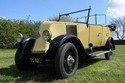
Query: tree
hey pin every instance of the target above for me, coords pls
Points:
(120, 27)
(62, 19)
(9, 30)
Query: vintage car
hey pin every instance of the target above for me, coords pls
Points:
(65, 44)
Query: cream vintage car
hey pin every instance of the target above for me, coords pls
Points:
(65, 44)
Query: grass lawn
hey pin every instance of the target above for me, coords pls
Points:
(97, 70)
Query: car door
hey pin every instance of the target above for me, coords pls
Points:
(106, 34)
(83, 34)
(95, 34)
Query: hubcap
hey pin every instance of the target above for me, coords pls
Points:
(70, 60)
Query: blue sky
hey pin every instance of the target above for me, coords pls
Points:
(44, 9)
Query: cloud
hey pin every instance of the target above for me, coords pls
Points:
(116, 8)
(3, 17)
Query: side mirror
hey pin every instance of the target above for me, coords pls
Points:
(112, 27)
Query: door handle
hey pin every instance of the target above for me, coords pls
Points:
(107, 34)
(99, 34)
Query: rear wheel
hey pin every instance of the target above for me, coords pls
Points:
(66, 60)
(109, 55)
(23, 63)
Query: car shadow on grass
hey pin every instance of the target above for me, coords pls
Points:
(89, 62)
(44, 73)
(41, 74)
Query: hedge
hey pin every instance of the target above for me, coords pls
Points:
(9, 30)
(119, 42)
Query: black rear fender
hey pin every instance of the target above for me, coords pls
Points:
(110, 40)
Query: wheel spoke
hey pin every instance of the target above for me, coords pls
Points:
(69, 61)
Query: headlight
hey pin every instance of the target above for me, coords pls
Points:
(20, 38)
(46, 35)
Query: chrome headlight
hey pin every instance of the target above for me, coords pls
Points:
(46, 35)
(20, 38)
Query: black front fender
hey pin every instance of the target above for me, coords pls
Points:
(24, 41)
(60, 40)
(27, 45)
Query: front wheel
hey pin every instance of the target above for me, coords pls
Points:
(23, 63)
(66, 60)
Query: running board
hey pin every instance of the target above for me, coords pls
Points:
(95, 54)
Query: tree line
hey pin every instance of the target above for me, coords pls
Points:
(10, 29)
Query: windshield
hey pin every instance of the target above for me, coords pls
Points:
(76, 12)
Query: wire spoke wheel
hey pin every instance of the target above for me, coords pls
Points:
(23, 63)
(66, 60)
(69, 61)
(109, 55)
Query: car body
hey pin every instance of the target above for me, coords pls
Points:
(66, 44)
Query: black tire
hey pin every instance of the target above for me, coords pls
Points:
(109, 55)
(66, 60)
(23, 63)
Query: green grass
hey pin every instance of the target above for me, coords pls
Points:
(97, 70)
